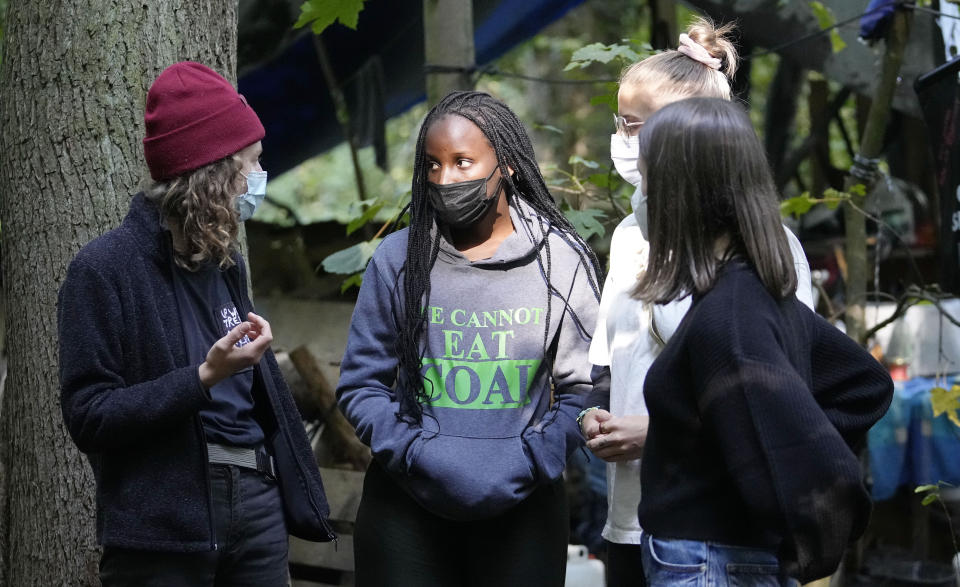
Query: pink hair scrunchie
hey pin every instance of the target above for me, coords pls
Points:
(697, 52)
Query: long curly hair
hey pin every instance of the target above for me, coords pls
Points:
(201, 204)
(514, 150)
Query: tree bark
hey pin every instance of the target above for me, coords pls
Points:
(663, 24)
(781, 111)
(448, 43)
(72, 88)
(871, 146)
(818, 106)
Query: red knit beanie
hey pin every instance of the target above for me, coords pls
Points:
(194, 117)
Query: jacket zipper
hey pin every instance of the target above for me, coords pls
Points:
(271, 392)
(286, 433)
(206, 474)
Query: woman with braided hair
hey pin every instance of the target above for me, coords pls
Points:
(467, 364)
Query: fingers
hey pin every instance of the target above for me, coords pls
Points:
(603, 447)
(236, 333)
(261, 326)
(599, 442)
(591, 423)
(603, 415)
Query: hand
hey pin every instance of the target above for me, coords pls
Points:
(225, 358)
(619, 439)
(592, 421)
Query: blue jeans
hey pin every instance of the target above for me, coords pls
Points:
(251, 542)
(709, 564)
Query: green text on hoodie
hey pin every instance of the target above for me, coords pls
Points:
(489, 432)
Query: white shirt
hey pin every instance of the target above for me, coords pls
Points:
(623, 341)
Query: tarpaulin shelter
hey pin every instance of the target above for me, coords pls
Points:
(380, 67)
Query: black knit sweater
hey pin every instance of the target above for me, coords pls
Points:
(756, 409)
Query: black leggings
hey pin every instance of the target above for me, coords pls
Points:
(399, 543)
(624, 567)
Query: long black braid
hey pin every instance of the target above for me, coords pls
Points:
(513, 148)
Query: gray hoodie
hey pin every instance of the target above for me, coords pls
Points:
(490, 432)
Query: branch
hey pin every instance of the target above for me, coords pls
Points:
(911, 297)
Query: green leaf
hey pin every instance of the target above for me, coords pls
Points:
(351, 259)
(823, 15)
(797, 205)
(364, 218)
(585, 162)
(601, 180)
(354, 280)
(946, 402)
(926, 488)
(929, 499)
(587, 222)
(858, 189)
(548, 127)
(837, 44)
(600, 53)
(322, 13)
(826, 20)
(609, 99)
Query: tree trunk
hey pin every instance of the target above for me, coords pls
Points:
(781, 110)
(663, 24)
(818, 105)
(871, 146)
(448, 44)
(72, 88)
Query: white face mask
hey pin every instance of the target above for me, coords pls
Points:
(624, 152)
(256, 190)
(638, 201)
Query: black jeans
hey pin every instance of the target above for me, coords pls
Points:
(251, 542)
(399, 543)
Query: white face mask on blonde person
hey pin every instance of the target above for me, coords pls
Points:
(624, 152)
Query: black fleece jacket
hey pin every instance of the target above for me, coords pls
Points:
(131, 398)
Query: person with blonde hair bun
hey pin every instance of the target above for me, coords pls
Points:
(630, 334)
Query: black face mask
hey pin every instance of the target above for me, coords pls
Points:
(462, 204)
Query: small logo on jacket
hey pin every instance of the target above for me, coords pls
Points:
(230, 318)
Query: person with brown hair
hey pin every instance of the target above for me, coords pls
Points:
(757, 405)
(168, 383)
(629, 333)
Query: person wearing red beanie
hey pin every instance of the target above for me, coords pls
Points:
(168, 383)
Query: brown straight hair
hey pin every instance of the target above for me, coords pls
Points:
(706, 178)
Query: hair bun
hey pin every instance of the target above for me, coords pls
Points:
(716, 40)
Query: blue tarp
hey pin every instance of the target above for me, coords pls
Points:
(909, 446)
(873, 26)
(289, 94)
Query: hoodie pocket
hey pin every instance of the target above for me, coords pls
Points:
(547, 455)
(464, 478)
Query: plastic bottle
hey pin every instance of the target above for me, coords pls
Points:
(583, 571)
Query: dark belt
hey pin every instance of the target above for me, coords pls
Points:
(257, 458)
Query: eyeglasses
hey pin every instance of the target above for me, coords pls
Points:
(624, 128)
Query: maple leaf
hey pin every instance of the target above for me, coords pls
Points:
(946, 402)
(322, 13)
